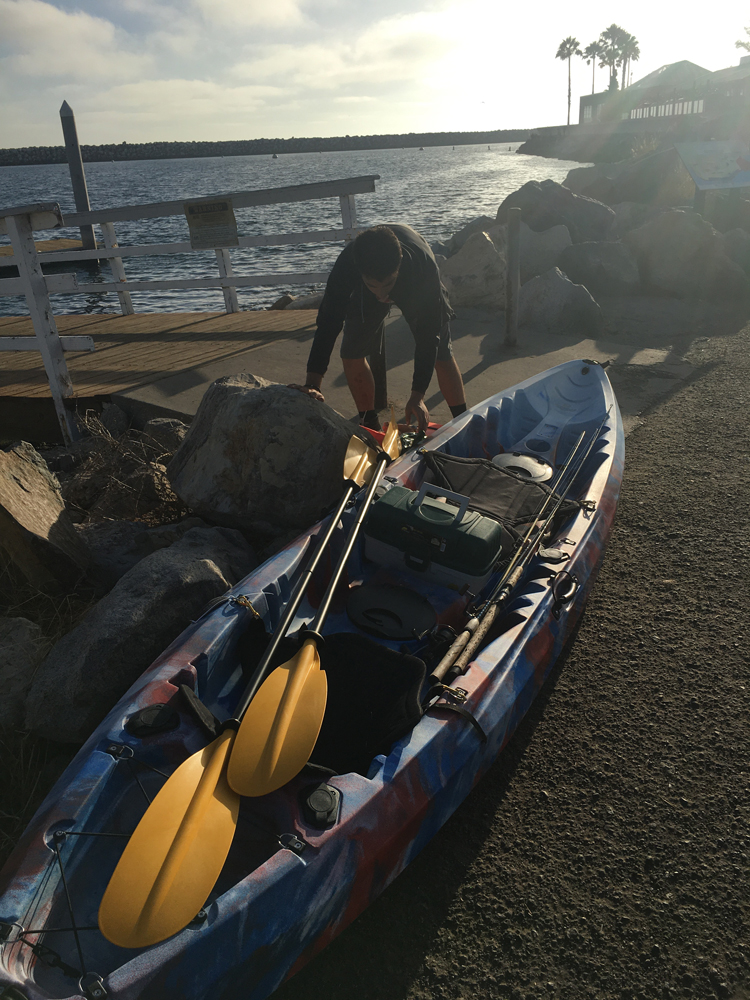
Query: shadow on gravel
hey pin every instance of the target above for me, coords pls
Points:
(383, 951)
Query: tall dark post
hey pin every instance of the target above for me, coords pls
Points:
(77, 176)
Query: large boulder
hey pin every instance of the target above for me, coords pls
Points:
(35, 529)
(164, 435)
(656, 179)
(479, 225)
(737, 248)
(604, 268)
(475, 276)
(546, 203)
(22, 649)
(541, 251)
(260, 456)
(631, 215)
(550, 303)
(116, 546)
(91, 668)
(682, 255)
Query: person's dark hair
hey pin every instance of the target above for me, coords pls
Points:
(377, 252)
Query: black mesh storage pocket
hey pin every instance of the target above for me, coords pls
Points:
(495, 492)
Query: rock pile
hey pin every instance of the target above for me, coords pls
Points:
(146, 548)
(632, 245)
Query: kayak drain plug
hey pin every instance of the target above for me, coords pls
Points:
(320, 805)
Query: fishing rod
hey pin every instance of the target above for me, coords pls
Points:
(468, 640)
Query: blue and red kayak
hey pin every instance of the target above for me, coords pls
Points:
(396, 757)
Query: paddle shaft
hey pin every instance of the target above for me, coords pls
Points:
(353, 534)
(292, 605)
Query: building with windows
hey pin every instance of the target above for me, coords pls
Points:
(670, 93)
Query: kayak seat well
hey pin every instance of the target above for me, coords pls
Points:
(373, 696)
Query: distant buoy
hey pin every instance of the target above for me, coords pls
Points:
(274, 157)
(421, 149)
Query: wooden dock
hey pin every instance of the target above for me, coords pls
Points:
(137, 351)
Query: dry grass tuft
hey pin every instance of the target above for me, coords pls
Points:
(120, 478)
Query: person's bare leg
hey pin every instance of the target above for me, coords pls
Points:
(361, 383)
(450, 382)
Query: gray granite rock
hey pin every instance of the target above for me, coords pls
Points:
(22, 649)
(116, 546)
(682, 255)
(603, 268)
(257, 451)
(35, 529)
(114, 420)
(88, 670)
(545, 204)
(166, 434)
(475, 276)
(551, 303)
(737, 248)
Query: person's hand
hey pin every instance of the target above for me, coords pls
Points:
(309, 390)
(415, 408)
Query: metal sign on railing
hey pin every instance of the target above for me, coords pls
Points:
(212, 224)
(216, 231)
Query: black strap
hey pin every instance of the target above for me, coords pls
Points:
(442, 691)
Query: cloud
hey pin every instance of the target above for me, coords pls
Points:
(237, 15)
(40, 41)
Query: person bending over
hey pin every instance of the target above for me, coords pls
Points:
(384, 266)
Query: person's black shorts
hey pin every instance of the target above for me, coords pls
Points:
(364, 329)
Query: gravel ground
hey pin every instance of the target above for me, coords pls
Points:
(606, 854)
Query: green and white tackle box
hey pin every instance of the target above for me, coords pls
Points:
(452, 545)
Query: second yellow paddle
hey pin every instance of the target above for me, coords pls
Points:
(282, 722)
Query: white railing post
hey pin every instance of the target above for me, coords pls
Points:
(118, 271)
(348, 204)
(35, 289)
(231, 304)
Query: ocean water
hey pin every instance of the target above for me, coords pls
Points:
(436, 190)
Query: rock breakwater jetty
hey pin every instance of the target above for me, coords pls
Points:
(29, 155)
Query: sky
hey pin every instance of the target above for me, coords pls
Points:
(144, 70)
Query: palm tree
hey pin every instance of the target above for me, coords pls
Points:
(613, 38)
(569, 47)
(744, 45)
(591, 53)
(629, 51)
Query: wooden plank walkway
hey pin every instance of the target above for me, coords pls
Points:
(140, 349)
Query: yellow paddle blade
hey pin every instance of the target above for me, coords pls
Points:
(358, 461)
(392, 440)
(172, 861)
(279, 729)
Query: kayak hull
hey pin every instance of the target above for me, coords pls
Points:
(287, 889)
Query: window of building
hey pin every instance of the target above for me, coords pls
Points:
(700, 107)
(587, 112)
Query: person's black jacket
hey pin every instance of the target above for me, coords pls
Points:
(418, 294)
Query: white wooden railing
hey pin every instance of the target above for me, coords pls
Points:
(21, 223)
